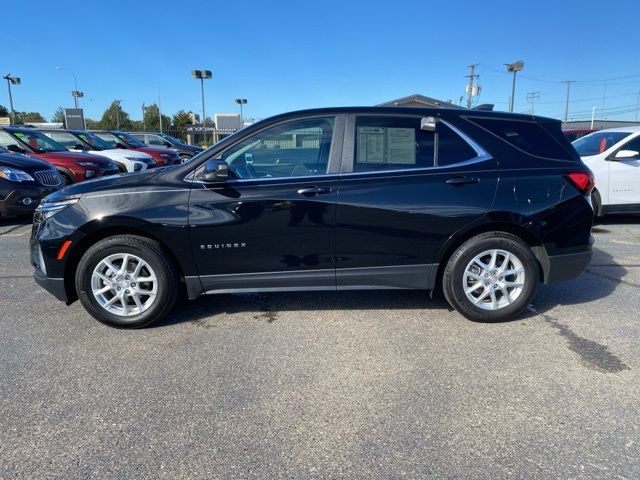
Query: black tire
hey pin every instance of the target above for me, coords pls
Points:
(596, 201)
(66, 180)
(453, 277)
(148, 250)
(185, 158)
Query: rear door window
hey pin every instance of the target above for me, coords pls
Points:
(398, 143)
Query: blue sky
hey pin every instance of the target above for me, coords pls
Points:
(286, 55)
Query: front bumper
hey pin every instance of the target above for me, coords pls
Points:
(22, 201)
(55, 286)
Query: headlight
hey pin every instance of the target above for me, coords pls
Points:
(15, 175)
(88, 164)
(48, 209)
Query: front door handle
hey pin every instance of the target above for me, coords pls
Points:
(313, 190)
(462, 180)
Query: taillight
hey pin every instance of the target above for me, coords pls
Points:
(583, 181)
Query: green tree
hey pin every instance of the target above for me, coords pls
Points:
(92, 124)
(152, 118)
(4, 111)
(114, 117)
(181, 120)
(58, 117)
(29, 117)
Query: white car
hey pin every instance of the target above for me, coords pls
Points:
(79, 140)
(613, 155)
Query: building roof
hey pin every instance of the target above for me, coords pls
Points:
(417, 100)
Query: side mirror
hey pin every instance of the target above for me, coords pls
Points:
(119, 145)
(626, 154)
(428, 124)
(215, 170)
(167, 144)
(78, 146)
(15, 149)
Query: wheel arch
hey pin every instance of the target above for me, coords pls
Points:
(519, 231)
(99, 234)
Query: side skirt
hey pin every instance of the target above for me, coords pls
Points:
(407, 277)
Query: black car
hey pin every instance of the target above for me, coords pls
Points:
(24, 181)
(156, 139)
(483, 204)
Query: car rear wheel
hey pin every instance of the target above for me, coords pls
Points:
(126, 281)
(185, 158)
(66, 180)
(491, 277)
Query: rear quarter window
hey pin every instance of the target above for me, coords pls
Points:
(528, 136)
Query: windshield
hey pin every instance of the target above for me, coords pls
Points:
(94, 140)
(39, 141)
(110, 139)
(6, 140)
(598, 142)
(130, 140)
(173, 140)
(69, 140)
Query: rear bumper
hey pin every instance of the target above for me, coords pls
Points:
(55, 286)
(566, 266)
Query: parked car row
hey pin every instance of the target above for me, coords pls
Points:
(75, 156)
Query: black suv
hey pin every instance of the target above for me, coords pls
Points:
(155, 139)
(483, 204)
(24, 181)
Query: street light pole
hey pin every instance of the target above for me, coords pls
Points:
(241, 101)
(11, 81)
(144, 128)
(75, 93)
(514, 67)
(202, 75)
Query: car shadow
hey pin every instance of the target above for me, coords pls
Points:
(10, 224)
(598, 281)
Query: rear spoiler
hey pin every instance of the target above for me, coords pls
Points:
(487, 107)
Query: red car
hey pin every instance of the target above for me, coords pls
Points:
(72, 166)
(162, 156)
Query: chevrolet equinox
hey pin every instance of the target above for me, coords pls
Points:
(483, 205)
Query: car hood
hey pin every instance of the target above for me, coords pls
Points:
(22, 161)
(76, 156)
(117, 153)
(113, 182)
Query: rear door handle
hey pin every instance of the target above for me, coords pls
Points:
(462, 180)
(313, 190)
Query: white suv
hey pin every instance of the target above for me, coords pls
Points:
(613, 155)
(79, 140)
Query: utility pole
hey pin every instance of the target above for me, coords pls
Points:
(593, 116)
(637, 106)
(566, 103)
(144, 127)
(117, 103)
(532, 97)
(471, 86)
(159, 108)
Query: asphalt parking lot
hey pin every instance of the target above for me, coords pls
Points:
(320, 385)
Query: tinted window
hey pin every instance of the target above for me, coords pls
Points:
(64, 138)
(633, 144)
(527, 136)
(155, 140)
(391, 143)
(294, 149)
(598, 142)
(39, 142)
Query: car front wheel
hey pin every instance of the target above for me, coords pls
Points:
(126, 281)
(491, 277)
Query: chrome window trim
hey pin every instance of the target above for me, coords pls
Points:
(481, 156)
